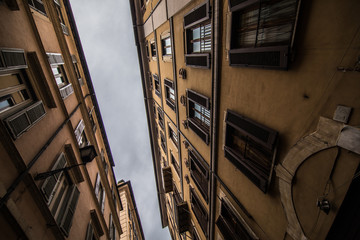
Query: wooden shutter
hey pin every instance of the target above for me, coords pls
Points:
(103, 200)
(201, 60)
(78, 130)
(182, 217)
(76, 171)
(89, 232)
(96, 223)
(199, 131)
(73, 58)
(14, 58)
(199, 173)
(25, 119)
(167, 178)
(97, 185)
(276, 57)
(197, 15)
(55, 58)
(69, 212)
(198, 98)
(49, 185)
(239, 4)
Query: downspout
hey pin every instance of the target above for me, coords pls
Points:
(215, 114)
(34, 160)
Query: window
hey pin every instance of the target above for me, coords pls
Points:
(198, 37)
(199, 173)
(251, 147)
(112, 229)
(175, 164)
(199, 211)
(157, 85)
(18, 105)
(153, 50)
(199, 114)
(166, 46)
(57, 65)
(262, 33)
(38, 5)
(61, 196)
(169, 93)
(161, 118)
(147, 49)
(162, 139)
(173, 136)
(231, 225)
(100, 192)
(65, 29)
(77, 71)
(91, 117)
(80, 134)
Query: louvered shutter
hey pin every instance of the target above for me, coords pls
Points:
(69, 212)
(66, 91)
(89, 232)
(97, 185)
(78, 130)
(198, 98)
(239, 4)
(197, 15)
(201, 60)
(55, 58)
(103, 201)
(167, 178)
(49, 186)
(14, 58)
(182, 217)
(96, 223)
(26, 118)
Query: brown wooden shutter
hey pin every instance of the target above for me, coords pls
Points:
(167, 177)
(199, 131)
(89, 232)
(111, 227)
(182, 217)
(198, 98)
(48, 187)
(71, 204)
(103, 200)
(76, 171)
(14, 58)
(261, 57)
(25, 119)
(239, 4)
(96, 223)
(97, 185)
(197, 15)
(79, 129)
(201, 60)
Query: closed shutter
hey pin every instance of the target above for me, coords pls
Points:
(49, 186)
(89, 232)
(197, 15)
(26, 118)
(14, 58)
(201, 60)
(262, 57)
(201, 133)
(97, 185)
(69, 212)
(55, 58)
(238, 4)
(66, 91)
(167, 178)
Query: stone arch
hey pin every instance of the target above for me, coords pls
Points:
(326, 136)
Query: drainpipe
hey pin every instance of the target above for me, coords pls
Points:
(216, 70)
(23, 174)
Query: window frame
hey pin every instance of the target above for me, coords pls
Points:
(254, 135)
(173, 136)
(175, 164)
(153, 50)
(200, 212)
(197, 125)
(157, 85)
(164, 37)
(170, 94)
(274, 55)
(196, 162)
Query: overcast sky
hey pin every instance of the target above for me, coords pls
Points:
(107, 37)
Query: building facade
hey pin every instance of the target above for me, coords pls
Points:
(253, 112)
(129, 216)
(50, 120)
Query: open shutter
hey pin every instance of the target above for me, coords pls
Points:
(103, 201)
(197, 15)
(55, 58)
(182, 217)
(97, 185)
(49, 185)
(96, 223)
(78, 130)
(198, 98)
(89, 232)
(168, 183)
(239, 4)
(14, 58)
(25, 119)
(66, 91)
(66, 221)
(201, 60)
(111, 227)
